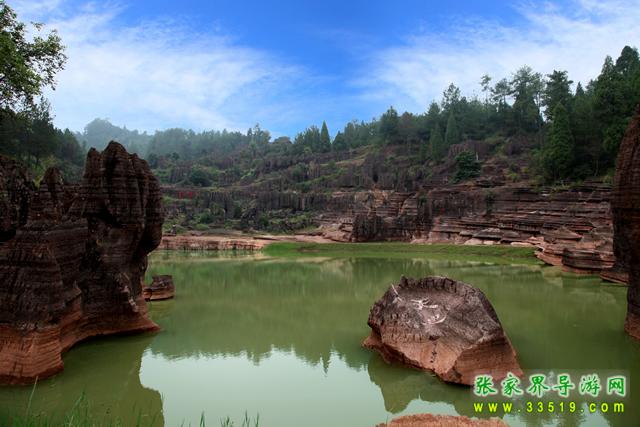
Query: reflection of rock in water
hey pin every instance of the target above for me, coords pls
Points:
(107, 371)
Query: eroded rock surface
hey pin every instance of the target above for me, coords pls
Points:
(74, 269)
(625, 204)
(430, 420)
(16, 188)
(161, 287)
(444, 326)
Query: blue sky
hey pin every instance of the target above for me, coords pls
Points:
(289, 64)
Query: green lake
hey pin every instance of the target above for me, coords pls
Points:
(280, 337)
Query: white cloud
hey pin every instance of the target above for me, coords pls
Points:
(576, 37)
(158, 74)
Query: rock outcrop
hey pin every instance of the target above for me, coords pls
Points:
(430, 420)
(441, 325)
(74, 269)
(161, 287)
(625, 204)
(15, 191)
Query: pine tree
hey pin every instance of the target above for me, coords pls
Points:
(389, 126)
(558, 149)
(452, 134)
(325, 139)
(557, 90)
(436, 143)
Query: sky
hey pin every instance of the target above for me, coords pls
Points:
(221, 64)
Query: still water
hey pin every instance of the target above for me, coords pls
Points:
(280, 337)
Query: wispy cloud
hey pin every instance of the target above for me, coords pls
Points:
(574, 37)
(159, 74)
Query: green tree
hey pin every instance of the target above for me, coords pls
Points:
(325, 139)
(485, 83)
(558, 148)
(452, 133)
(467, 166)
(451, 98)
(527, 87)
(609, 107)
(200, 177)
(557, 91)
(26, 67)
(340, 142)
(389, 126)
(436, 143)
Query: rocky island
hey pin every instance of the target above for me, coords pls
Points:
(74, 266)
(444, 326)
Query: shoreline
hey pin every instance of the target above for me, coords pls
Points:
(318, 245)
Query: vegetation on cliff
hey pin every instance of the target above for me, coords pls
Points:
(27, 66)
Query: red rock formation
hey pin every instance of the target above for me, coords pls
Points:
(74, 269)
(430, 420)
(444, 326)
(16, 189)
(161, 287)
(211, 243)
(625, 204)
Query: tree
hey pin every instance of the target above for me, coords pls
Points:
(467, 166)
(450, 98)
(452, 133)
(557, 90)
(389, 126)
(558, 148)
(485, 83)
(339, 142)
(325, 139)
(26, 67)
(527, 89)
(436, 143)
(609, 107)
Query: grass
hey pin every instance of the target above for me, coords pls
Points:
(80, 415)
(500, 254)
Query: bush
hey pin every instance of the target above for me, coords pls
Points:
(468, 166)
(200, 177)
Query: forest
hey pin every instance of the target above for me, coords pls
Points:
(574, 127)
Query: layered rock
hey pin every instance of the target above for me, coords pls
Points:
(430, 420)
(441, 325)
(74, 269)
(161, 288)
(571, 228)
(211, 243)
(16, 189)
(625, 204)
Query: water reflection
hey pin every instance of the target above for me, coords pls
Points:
(107, 372)
(317, 307)
(282, 337)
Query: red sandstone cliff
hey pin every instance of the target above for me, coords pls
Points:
(625, 204)
(74, 270)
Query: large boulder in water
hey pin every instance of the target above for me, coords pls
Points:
(625, 206)
(74, 269)
(441, 325)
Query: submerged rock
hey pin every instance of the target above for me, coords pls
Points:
(161, 287)
(430, 420)
(441, 325)
(74, 269)
(625, 205)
